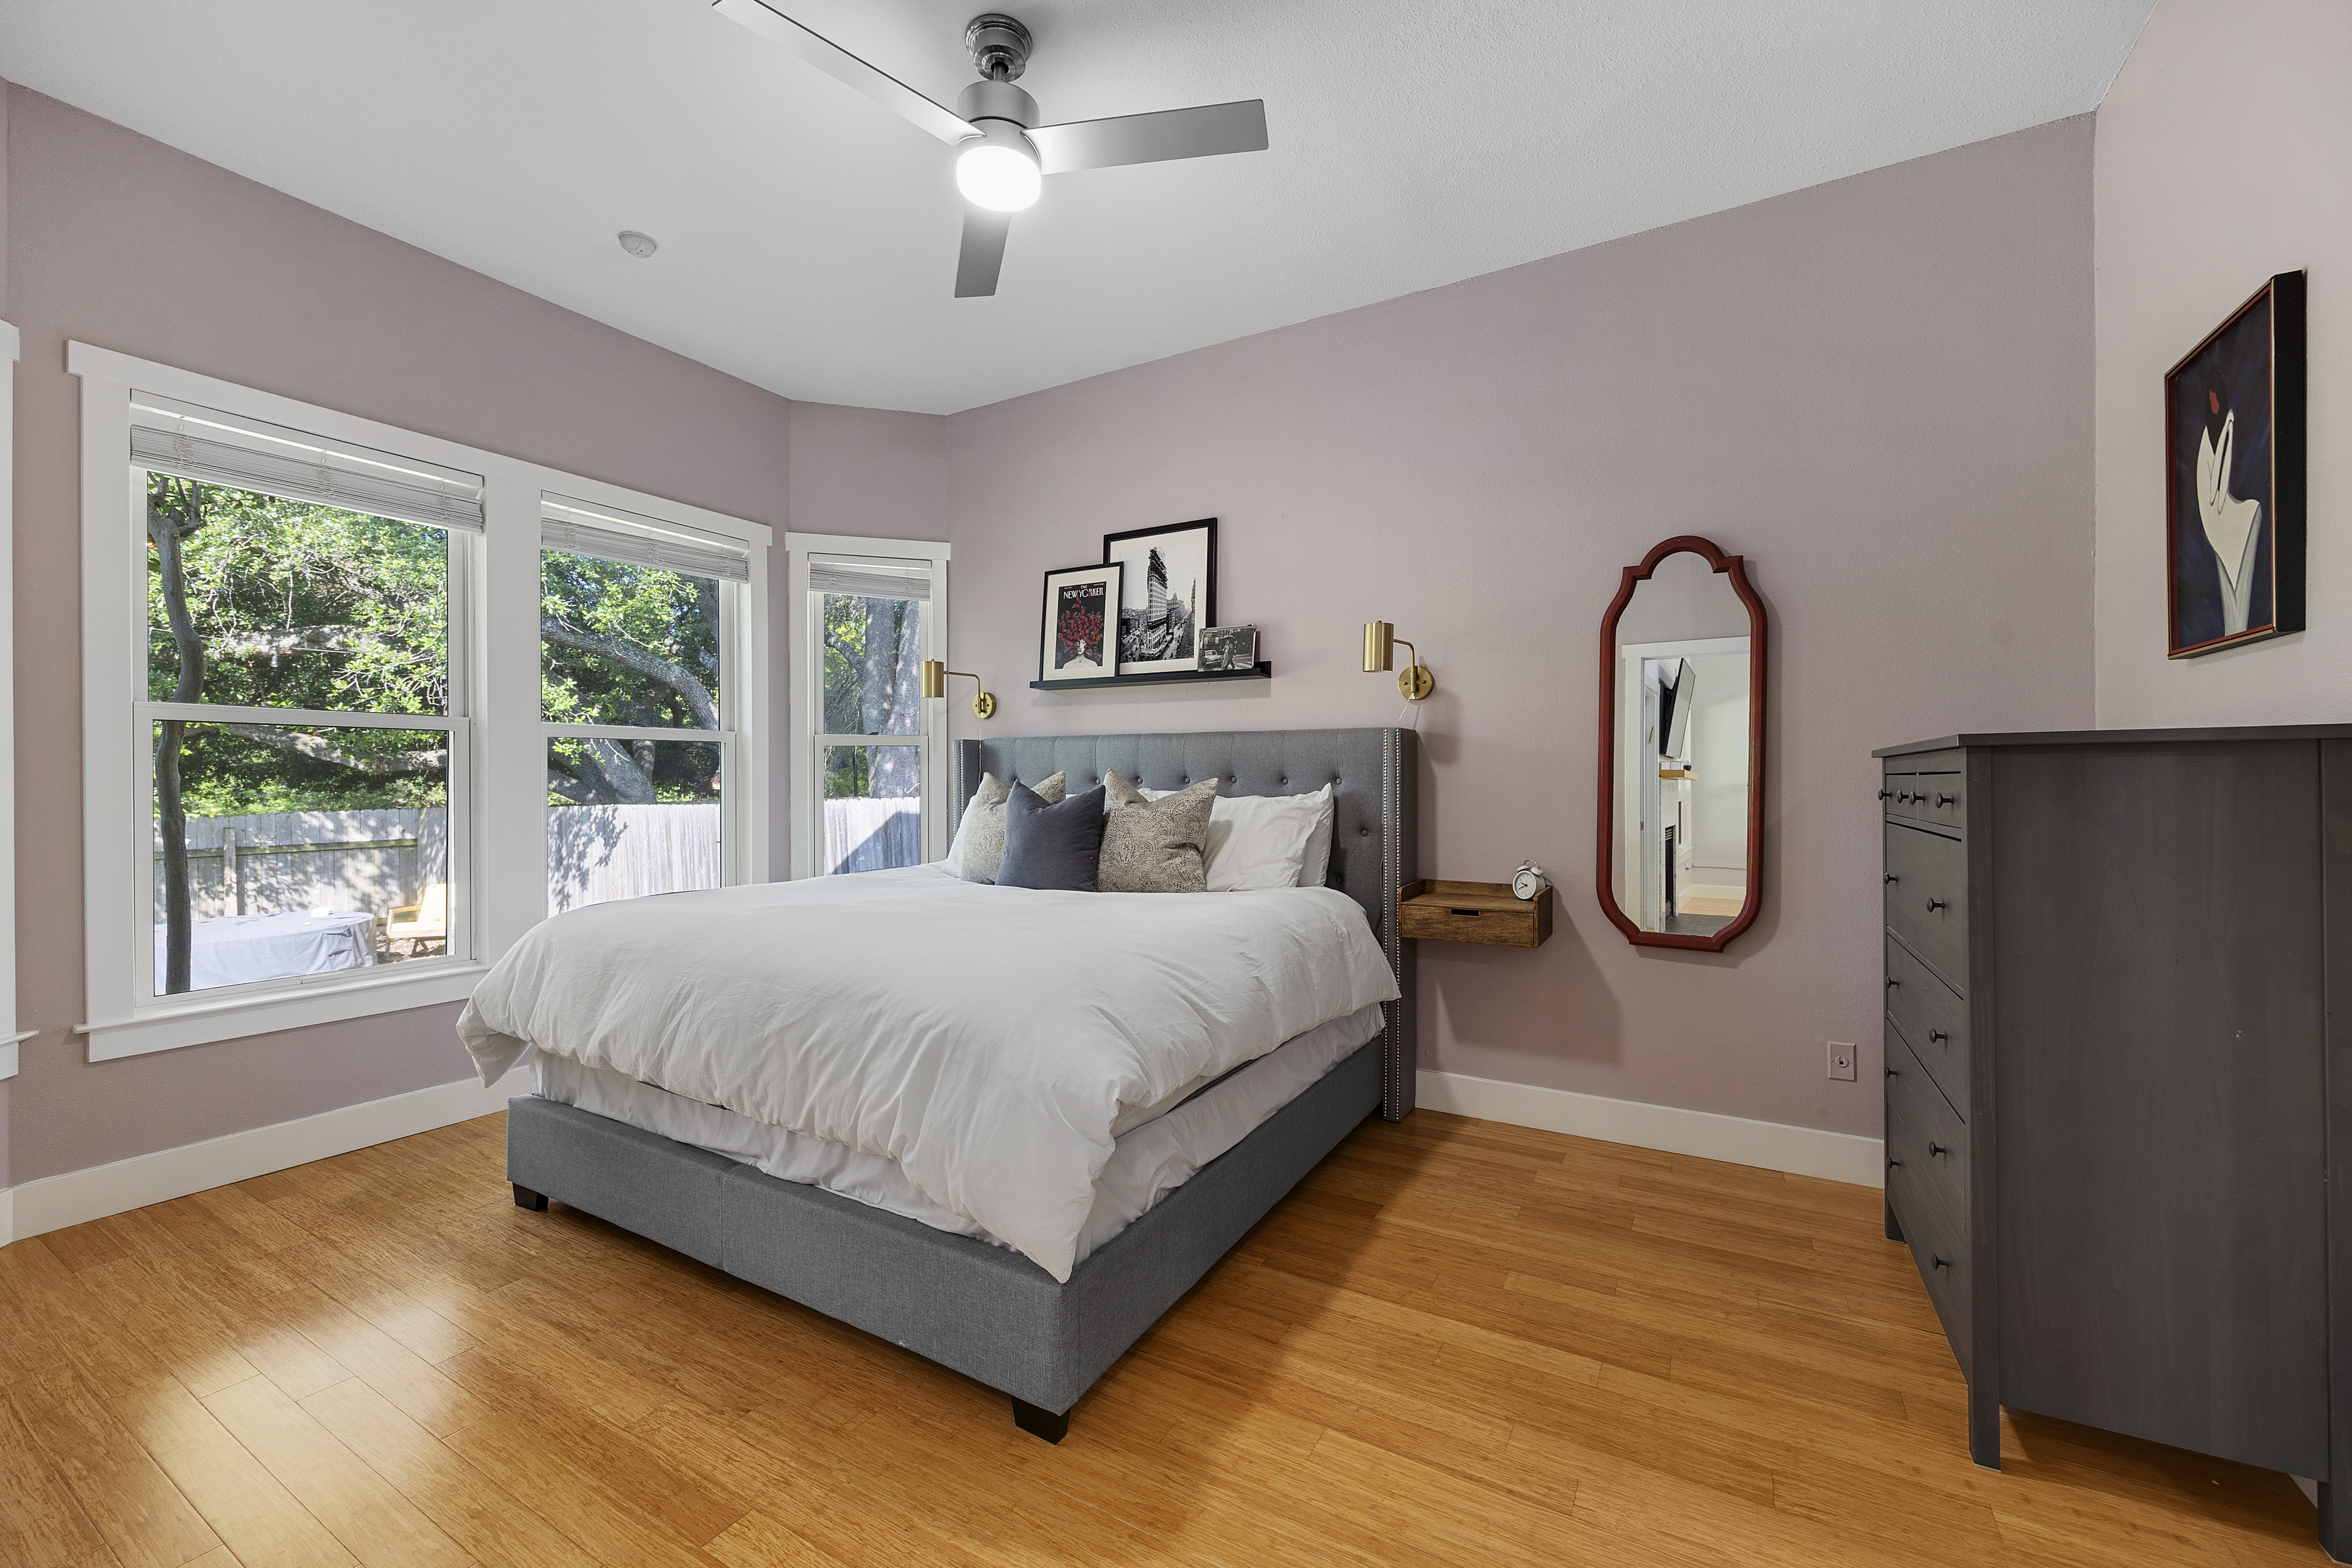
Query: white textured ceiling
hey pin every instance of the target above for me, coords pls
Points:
(809, 238)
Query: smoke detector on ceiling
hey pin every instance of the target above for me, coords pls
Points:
(640, 245)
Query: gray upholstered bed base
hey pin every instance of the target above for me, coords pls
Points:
(984, 1311)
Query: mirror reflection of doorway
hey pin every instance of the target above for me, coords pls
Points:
(1686, 775)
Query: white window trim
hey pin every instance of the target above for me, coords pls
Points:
(496, 697)
(807, 706)
(8, 1042)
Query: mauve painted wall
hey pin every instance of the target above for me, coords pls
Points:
(2223, 148)
(120, 241)
(7, 1089)
(1878, 391)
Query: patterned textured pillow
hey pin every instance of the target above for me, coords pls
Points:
(1154, 846)
(983, 849)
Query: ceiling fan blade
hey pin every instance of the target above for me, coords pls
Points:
(983, 255)
(848, 68)
(1201, 132)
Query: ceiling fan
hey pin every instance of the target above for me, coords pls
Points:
(1003, 153)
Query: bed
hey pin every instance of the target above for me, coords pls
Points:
(1041, 1333)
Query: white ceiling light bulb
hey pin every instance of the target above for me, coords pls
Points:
(998, 170)
(640, 245)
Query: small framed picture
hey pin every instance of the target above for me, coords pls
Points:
(1224, 648)
(1076, 640)
(2234, 438)
(1169, 594)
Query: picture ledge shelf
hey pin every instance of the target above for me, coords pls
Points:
(1264, 672)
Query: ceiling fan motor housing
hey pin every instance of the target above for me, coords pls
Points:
(997, 100)
(998, 45)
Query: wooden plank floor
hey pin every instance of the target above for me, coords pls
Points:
(1458, 1342)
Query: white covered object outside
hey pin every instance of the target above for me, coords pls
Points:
(237, 949)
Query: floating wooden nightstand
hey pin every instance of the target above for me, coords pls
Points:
(1485, 911)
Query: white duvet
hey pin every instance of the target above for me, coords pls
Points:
(990, 1040)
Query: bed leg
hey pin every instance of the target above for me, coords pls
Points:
(525, 1198)
(1040, 1423)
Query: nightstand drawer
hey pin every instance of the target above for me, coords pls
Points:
(1927, 883)
(1484, 911)
(1933, 1019)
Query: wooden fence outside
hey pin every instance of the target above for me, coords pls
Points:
(377, 861)
(289, 862)
(595, 854)
(863, 834)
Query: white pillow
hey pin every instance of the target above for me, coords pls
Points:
(1257, 841)
(953, 863)
(1319, 844)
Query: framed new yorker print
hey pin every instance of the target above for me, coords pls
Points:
(1076, 636)
(2233, 454)
(1169, 593)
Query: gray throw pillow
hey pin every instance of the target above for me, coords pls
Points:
(1155, 846)
(1052, 846)
(983, 837)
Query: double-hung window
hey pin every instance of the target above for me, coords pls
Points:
(640, 621)
(360, 707)
(868, 754)
(302, 723)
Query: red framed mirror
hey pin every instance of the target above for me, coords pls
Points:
(1681, 798)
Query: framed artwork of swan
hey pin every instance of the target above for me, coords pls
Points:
(2233, 477)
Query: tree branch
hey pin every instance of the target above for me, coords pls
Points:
(571, 788)
(378, 764)
(653, 666)
(166, 527)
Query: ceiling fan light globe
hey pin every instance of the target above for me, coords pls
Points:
(1000, 178)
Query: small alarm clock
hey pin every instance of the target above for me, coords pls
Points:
(1529, 880)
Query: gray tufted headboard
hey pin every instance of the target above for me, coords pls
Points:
(1374, 776)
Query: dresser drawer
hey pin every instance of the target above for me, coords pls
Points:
(1926, 899)
(1925, 1139)
(1934, 1021)
(1925, 797)
(1941, 1255)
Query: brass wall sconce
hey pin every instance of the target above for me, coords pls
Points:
(935, 684)
(1414, 681)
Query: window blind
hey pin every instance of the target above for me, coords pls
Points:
(863, 576)
(609, 533)
(215, 448)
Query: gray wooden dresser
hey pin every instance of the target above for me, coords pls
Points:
(2109, 958)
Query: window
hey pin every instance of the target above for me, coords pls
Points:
(635, 618)
(298, 729)
(869, 757)
(360, 707)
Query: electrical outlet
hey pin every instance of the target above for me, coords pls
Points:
(1841, 1060)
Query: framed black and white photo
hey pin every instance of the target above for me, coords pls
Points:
(2233, 440)
(1169, 593)
(1225, 648)
(1076, 640)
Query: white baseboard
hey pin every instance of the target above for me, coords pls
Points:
(77, 1197)
(1772, 1145)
